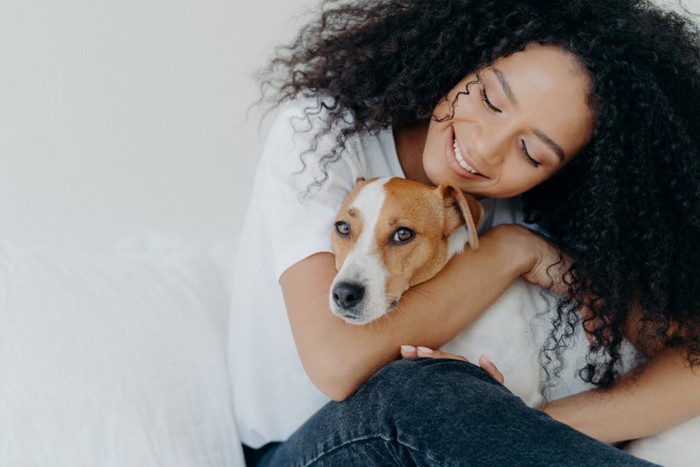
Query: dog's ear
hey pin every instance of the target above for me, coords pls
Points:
(360, 182)
(461, 209)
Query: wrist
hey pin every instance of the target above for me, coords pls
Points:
(515, 243)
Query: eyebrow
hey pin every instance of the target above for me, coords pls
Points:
(506, 87)
(509, 94)
(548, 141)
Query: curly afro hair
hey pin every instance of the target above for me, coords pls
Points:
(627, 208)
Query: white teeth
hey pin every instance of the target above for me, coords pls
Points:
(460, 160)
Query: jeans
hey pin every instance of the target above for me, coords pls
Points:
(436, 412)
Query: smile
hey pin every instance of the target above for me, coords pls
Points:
(460, 159)
(459, 162)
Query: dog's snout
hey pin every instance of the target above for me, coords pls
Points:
(347, 295)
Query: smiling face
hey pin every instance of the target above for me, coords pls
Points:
(511, 125)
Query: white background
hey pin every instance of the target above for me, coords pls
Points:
(122, 117)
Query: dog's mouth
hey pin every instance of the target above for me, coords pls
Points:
(353, 319)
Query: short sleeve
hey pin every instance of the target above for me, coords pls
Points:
(299, 187)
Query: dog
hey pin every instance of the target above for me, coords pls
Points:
(392, 234)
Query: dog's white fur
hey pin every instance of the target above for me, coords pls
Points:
(511, 333)
(362, 265)
(507, 336)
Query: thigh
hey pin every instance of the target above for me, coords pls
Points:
(435, 412)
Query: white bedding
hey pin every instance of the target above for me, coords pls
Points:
(115, 359)
(119, 359)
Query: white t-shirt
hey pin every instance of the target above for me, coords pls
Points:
(289, 220)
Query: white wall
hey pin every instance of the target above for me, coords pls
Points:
(119, 117)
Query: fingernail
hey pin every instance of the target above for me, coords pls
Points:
(425, 350)
(488, 360)
(408, 348)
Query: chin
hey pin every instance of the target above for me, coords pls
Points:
(438, 174)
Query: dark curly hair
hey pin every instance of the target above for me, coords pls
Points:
(627, 208)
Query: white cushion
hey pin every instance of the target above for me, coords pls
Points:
(116, 358)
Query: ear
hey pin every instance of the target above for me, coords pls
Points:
(461, 209)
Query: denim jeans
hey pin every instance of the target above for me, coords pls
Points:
(436, 412)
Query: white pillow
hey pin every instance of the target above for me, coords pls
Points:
(115, 359)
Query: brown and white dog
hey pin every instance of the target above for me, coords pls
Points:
(392, 234)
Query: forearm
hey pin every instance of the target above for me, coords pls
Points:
(662, 394)
(339, 357)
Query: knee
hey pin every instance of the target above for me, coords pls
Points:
(411, 385)
(409, 398)
(429, 374)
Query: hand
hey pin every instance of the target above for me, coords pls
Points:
(550, 266)
(591, 324)
(409, 351)
(539, 260)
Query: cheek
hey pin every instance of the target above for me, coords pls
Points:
(340, 249)
(434, 152)
(518, 180)
(414, 263)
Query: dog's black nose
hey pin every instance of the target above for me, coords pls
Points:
(347, 295)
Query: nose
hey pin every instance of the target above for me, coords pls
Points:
(347, 295)
(490, 142)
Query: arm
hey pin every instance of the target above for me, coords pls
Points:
(339, 357)
(663, 393)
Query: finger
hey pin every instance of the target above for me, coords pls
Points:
(430, 353)
(488, 366)
(589, 323)
(586, 313)
(408, 351)
(589, 327)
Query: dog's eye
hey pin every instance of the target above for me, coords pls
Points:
(342, 228)
(403, 235)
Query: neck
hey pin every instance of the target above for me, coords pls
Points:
(410, 142)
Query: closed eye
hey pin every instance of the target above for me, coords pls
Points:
(523, 150)
(489, 105)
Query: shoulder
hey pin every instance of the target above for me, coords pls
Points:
(310, 115)
(307, 125)
(313, 141)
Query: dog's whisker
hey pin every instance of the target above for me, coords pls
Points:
(418, 290)
(386, 317)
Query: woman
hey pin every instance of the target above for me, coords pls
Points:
(587, 109)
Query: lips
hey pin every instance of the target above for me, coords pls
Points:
(458, 162)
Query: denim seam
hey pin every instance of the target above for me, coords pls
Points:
(335, 448)
(367, 438)
(418, 451)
